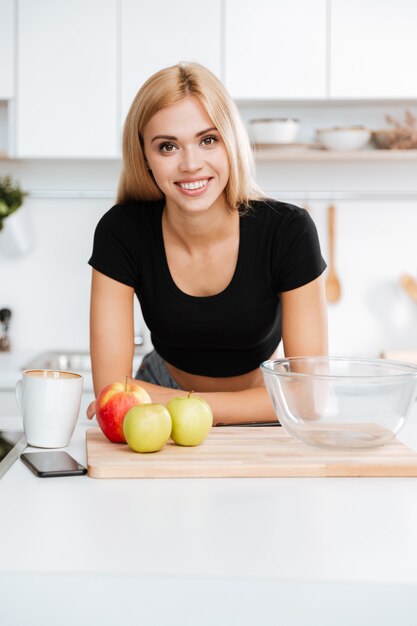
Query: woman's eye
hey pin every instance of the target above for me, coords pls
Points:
(166, 147)
(209, 141)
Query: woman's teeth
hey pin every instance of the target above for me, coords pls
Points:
(195, 185)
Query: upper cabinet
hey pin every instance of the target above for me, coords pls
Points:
(66, 79)
(6, 49)
(79, 64)
(275, 49)
(373, 49)
(159, 33)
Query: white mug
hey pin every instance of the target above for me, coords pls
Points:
(49, 402)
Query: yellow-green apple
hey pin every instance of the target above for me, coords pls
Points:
(192, 419)
(147, 427)
(112, 404)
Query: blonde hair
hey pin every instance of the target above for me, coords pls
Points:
(167, 87)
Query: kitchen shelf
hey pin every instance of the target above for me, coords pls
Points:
(349, 196)
(283, 154)
(314, 154)
(298, 196)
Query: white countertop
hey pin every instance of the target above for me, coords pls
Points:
(208, 551)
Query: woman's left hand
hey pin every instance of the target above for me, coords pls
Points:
(91, 410)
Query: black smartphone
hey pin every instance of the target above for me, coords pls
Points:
(57, 463)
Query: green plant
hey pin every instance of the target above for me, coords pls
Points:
(11, 198)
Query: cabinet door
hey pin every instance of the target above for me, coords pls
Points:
(6, 49)
(373, 49)
(67, 84)
(159, 33)
(276, 49)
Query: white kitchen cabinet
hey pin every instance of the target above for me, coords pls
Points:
(275, 49)
(66, 104)
(159, 33)
(373, 49)
(7, 49)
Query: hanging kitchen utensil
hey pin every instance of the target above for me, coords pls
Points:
(333, 288)
(5, 316)
(409, 284)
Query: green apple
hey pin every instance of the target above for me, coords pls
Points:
(147, 427)
(192, 419)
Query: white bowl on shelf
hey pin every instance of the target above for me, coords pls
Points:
(279, 130)
(345, 138)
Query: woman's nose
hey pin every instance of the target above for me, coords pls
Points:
(191, 159)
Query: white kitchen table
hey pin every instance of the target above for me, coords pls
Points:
(199, 552)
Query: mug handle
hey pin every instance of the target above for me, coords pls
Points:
(18, 393)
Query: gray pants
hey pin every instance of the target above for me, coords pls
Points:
(153, 370)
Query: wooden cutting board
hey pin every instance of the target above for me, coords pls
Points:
(245, 452)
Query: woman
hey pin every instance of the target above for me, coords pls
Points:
(221, 271)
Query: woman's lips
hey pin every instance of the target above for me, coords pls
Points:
(195, 192)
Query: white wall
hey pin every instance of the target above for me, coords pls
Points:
(48, 289)
(375, 244)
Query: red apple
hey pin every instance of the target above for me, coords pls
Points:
(112, 404)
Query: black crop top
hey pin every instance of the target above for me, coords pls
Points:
(229, 333)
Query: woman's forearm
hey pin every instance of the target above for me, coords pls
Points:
(229, 407)
(250, 405)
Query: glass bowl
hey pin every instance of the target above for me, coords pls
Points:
(338, 402)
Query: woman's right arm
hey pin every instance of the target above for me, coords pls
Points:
(111, 330)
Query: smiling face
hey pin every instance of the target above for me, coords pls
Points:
(187, 156)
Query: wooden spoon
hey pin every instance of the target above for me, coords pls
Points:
(333, 289)
(409, 284)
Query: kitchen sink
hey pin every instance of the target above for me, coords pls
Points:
(72, 361)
